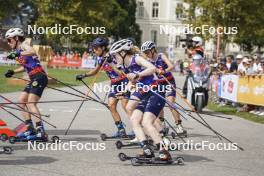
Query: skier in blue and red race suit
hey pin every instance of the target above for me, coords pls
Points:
(164, 66)
(118, 82)
(26, 56)
(144, 105)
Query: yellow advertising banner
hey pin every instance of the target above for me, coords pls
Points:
(251, 90)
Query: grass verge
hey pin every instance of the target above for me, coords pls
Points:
(229, 110)
(66, 76)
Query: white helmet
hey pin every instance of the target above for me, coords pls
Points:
(197, 59)
(198, 41)
(120, 45)
(148, 45)
(13, 32)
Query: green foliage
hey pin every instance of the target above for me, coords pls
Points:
(128, 27)
(244, 14)
(7, 8)
(115, 16)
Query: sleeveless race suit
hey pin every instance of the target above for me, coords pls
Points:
(118, 82)
(37, 75)
(159, 63)
(150, 102)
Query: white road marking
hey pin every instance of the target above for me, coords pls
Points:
(96, 109)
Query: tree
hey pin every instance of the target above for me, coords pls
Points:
(244, 14)
(114, 15)
(7, 8)
(128, 27)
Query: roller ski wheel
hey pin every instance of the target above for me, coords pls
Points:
(122, 157)
(119, 144)
(103, 136)
(4, 137)
(7, 150)
(55, 139)
(179, 161)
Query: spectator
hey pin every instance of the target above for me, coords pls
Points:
(231, 64)
(242, 67)
(76, 56)
(85, 55)
(239, 58)
(250, 70)
(262, 66)
(222, 68)
(257, 65)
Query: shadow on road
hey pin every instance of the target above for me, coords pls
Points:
(28, 160)
(195, 158)
(24, 145)
(73, 132)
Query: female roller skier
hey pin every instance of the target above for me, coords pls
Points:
(106, 63)
(27, 57)
(144, 112)
(164, 66)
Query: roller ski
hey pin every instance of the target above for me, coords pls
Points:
(31, 135)
(104, 136)
(139, 160)
(6, 150)
(119, 144)
(6, 132)
(120, 134)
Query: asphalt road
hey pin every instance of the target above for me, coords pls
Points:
(94, 119)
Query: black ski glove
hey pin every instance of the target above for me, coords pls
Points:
(9, 73)
(13, 55)
(80, 77)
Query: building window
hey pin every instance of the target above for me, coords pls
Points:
(179, 10)
(140, 9)
(153, 36)
(155, 10)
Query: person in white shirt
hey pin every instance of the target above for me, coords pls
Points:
(242, 67)
(250, 69)
(257, 68)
